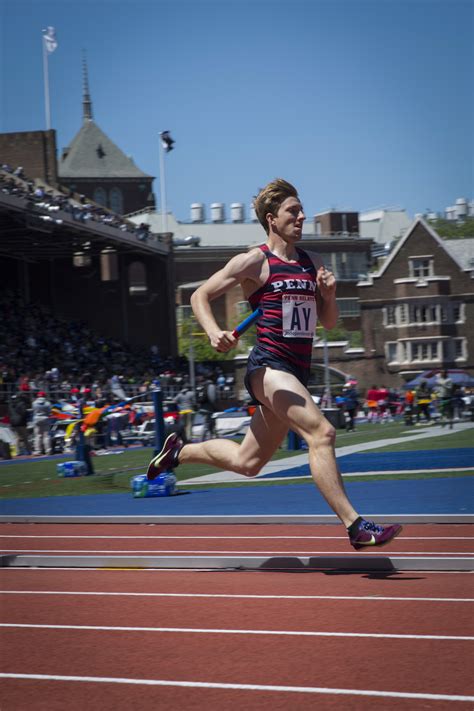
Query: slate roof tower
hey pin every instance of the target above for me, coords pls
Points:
(93, 165)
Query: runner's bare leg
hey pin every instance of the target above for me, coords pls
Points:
(286, 405)
(291, 402)
(264, 436)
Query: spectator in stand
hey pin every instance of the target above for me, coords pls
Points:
(445, 393)
(41, 424)
(394, 404)
(383, 411)
(423, 402)
(372, 400)
(206, 395)
(351, 397)
(185, 403)
(19, 415)
(409, 406)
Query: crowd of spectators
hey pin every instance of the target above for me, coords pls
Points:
(42, 356)
(40, 352)
(444, 401)
(48, 202)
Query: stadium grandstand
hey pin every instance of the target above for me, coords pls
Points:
(83, 290)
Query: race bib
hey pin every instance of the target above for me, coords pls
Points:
(299, 316)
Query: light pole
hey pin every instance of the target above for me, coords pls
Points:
(327, 377)
(164, 217)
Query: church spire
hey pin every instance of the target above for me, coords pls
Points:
(86, 99)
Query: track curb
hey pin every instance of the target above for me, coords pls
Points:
(354, 563)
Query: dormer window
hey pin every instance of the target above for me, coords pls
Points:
(421, 266)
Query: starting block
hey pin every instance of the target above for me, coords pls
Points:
(67, 469)
(163, 485)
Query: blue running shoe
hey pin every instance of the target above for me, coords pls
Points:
(167, 459)
(368, 533)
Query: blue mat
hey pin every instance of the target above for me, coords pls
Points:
(419, 496)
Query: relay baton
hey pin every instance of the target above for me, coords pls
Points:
(246, 323)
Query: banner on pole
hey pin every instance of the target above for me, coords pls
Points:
(49, 37)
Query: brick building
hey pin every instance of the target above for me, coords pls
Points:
(417, 310)
(34, 151)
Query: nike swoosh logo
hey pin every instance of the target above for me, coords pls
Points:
(372, 541)
(308, 269)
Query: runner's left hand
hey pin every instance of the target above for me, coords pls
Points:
(326, 282)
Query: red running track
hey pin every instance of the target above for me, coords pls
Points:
(156, 639)
(221, 539)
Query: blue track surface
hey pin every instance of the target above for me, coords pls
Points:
(433, 496)
(392, 461)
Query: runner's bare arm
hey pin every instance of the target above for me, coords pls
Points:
(244, 269)
(328, 310)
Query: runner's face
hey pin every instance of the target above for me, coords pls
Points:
(288, 222)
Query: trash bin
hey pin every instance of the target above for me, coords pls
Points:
(5, 450)
(335, 417)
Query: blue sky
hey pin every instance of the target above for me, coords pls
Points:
(359, 103)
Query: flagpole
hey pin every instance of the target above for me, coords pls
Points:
(46, 86)
(164, 216)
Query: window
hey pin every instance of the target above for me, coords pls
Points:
(421, 266)
(457, 315)
(183, 313)
(446, 349)
(116, 201)
(424, 350)
(404, 350)
(100, 197)
(349, 307)
(390, 316)
(403, 313)
(392, 351)
(459, 349)
(424, 314)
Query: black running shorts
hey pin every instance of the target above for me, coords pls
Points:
(260, 358)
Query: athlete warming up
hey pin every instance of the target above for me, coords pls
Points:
(294, 289)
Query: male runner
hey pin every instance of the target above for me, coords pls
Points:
(294, 289)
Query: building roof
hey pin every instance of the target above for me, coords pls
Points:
(384, 225)
(93, 155)
(209, 234)
(460, 250)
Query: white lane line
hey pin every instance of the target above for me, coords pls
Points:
(240, 687)
(198, 630)
(355, 598)
(241, 538)
(222, 552)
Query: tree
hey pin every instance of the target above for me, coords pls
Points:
(340, 333)
(449, 229)
(202, 349)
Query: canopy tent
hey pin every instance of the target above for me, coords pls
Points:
(459, 377)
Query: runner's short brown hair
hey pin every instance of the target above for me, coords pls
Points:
(271, 197)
